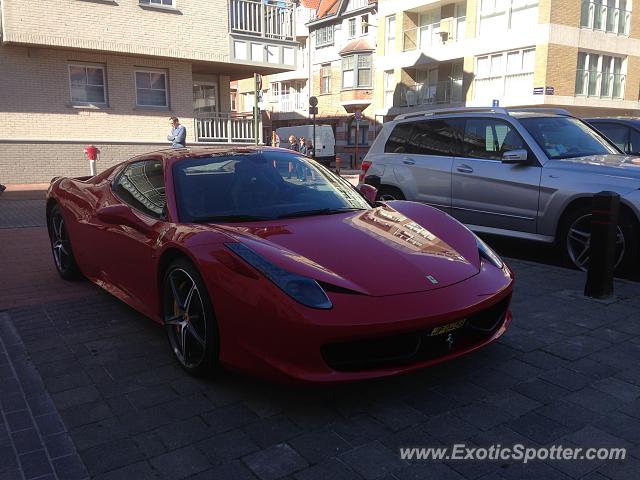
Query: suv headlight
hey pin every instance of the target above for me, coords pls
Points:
(488, 254)
(302, 289)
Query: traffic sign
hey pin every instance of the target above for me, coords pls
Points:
(313, 101)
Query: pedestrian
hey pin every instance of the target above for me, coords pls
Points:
(178, 134)
(310, 152)
(303, 146)
(2, 188)
(293, 143)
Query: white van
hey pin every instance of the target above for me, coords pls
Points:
(325, 144)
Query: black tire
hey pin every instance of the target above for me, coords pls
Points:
(389, 193)
(189, 319)
(576, 228)
(61, 248)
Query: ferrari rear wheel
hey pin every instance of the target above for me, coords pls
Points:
(189, 319)
(61, 246)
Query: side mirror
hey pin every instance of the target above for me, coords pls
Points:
(369, 192)
(515, 156)
(121, 215)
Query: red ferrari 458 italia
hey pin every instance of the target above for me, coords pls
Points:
(267, 262)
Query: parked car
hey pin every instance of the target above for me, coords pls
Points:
(623, 131)
(285, 277)
(325, 144)
(526, 174)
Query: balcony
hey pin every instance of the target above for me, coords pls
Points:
(225, 128)
(434, 34)
(290, 102)
(606, 18)
(263, 33)
(444, 92)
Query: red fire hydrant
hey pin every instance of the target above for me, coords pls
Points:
(91, 153)
(338, 160)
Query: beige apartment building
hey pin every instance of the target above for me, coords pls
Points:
(111, 73)
(582, 55)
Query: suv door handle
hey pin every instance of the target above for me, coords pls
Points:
(408, 161)
(464, 169)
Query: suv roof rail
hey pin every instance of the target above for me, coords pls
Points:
(557, 111)
(444, 111)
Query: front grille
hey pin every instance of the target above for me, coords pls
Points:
(403, 349)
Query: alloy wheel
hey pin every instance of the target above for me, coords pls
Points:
(185, 318)
(579, 242)
(60, 243)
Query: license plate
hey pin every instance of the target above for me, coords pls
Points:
(447, 328)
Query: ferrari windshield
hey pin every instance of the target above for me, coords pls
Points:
(259, 186)
(566, 137)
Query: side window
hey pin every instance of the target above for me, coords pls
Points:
(432, 137)
(618, 134)
(489, 138)
(396, 142)
(141, 186)
(634, 148)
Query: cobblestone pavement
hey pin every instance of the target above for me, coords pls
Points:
(90, 370)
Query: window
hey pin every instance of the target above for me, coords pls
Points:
(352, 28)
(600, 75)
(390, 30)
(151, 88)
(618, 134)
(325, 78)
(234, 101)
(362, 133)
(613, 16)
(87, 84)
(499, 15)
(205, 98)
(504, 75)
(324, 36)
(397, 140)
(429, 32)
(389, 88)
(364, 25)
(158, 3)
(141, 186)
(356, 71)
(432, 137)
(488, 138)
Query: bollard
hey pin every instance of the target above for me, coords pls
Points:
(92, 155)
(602, 247)
(338, 160)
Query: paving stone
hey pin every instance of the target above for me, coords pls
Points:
(13, 402)
(329, 469)
(372, 460)
(620, 425)
(150, 444)
(26, 441)
(540, 391)
(70, 468)
(532, 471)
(621, 470)
(185, 432)
(49, 424)
(566, 378)
(269, 431)
(231, 471)
(98, 432)
(275, 462)
(68, 381)
(449, 428)
(187, 406)
(513, 403)
(430, 402)
(59, 445)
(75, 397)
(8, 460)
(180, 464)
(592, 369)
(227, 446)
(85, 414)
(144, 420)
(396, 415)
(594, 400)
(360, 430)
(428, 470)
(228, 418)
(410, 437)
(543, 360)
(151, 396)
(110, 456)
(622, 390)
(319, 446)
(35, 464)
(137, 471)
(538, 428)
(482, 416)
(19, 420)
(568, 414)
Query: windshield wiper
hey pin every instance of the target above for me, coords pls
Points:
(230, 218)
(319, 211)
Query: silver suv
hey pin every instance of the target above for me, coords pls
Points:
(521, 173)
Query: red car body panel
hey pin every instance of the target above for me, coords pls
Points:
(372, 264)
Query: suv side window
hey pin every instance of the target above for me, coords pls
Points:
(432, 137)
(396, 142)
(141, 186)
(618, 134)
(489, 138)
(634, 147)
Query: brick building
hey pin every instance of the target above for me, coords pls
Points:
(580, 55)
(112, 73)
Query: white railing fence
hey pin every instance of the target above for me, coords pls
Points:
(446, 91)
(267, 18)
(290, 102)
(224, 128)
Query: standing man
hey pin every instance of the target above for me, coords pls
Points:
(293, 143)
(178, 134)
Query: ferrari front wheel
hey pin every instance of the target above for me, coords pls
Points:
(61, 246)
(189, 318)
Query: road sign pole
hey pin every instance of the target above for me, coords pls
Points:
(355, 161)
(313, 110)
(256, 123)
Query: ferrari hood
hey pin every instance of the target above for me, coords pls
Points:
(375, 252)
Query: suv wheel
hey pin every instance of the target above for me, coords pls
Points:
(386, 193)
(575, 240)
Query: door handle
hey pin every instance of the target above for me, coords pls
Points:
(464, 169)
(408, 161)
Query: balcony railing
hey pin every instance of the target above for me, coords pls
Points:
(291, 102)
(447, 91)
(600, 84)
(432, 35)
(267, 18)
(602, 17)
(225, 128)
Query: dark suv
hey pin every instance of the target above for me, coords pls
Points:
(623, 131)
